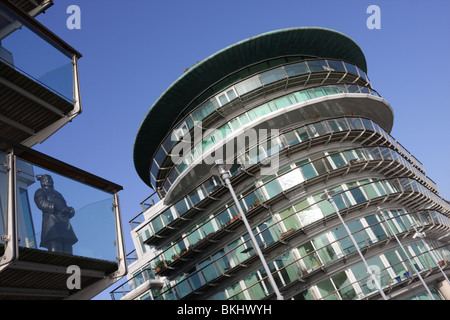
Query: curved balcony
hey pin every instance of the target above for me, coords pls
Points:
(306, 214)
(376, 159)
(39, 85)
(285, 111)
(316, 254)
(343, 130)
(396, 273)
(311, 73)
(54, 216)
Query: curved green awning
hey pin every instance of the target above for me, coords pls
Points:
(164, 114)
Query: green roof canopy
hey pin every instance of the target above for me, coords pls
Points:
(164, 114)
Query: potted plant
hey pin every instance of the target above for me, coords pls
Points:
(159, 265)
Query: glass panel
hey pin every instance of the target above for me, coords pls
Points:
(395, 263)
(181, 207)
(22, 49)
(342, 283)
(336, 65)
(291, 138)
(283, 102)
(208, 270)
(324, 250)
(272, 188)
(309, 171)
(355, 123)
(272, 75)
(296, 69)
(65, 215)
(356, 193)
(326, 290)
(157, 224)
(255, 289)
(231, 95)
(3, 193)
(303, 134)
(306, 251)
(338, 160)
(325, 206)
(203, 111)
(290, 179)
(290, 221)
(317, 65)
(235, 124)
(248, 85)
(223, 99)
(362, 74)
(259, 111)
(351, 68)
(309, 214)
(376, 228)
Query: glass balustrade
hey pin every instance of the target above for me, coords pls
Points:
(58, 214)
(252, 115)
(345, 199)
(297, 136)
(24, 49)
(291, 177)
(315, 254)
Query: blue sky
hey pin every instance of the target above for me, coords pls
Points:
(133, 50)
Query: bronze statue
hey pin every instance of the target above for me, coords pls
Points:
(57, 232)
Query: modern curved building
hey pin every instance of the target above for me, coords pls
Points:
(293, 115)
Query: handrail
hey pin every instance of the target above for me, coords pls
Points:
(315, 252)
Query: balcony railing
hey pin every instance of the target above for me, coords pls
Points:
(317, 254)
(53, 216)
(300, 138)
(39, 74)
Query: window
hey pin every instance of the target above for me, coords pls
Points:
(290, 220)
(309, 258)
(296, 69)
(336, 65)
(356, 192)
(326, 290)
(29, 241)
(342, 283)
(248, 85)
(272, 75)
(318, 65)
(259, 111)
(376, 227)
(324, 249)
(351, 68)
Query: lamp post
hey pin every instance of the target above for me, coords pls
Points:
(421, 235)
(328, 195)
(220, 169)
(404, 251)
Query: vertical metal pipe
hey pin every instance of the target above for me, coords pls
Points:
(226, 177)
(421, 235)
(405, 252)
(328, 196)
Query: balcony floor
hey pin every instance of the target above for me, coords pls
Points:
(42, 275)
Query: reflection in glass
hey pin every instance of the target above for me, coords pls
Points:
(75, 207)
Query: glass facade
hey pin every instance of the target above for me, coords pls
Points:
(48, 64)
(197, 246)
(258, 81)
